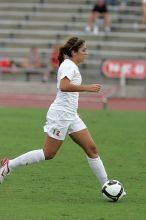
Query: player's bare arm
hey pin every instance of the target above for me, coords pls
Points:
(66, 86)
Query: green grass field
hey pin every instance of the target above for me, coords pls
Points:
(65, 188)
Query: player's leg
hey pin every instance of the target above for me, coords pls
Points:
(84, 139)
(51, 147)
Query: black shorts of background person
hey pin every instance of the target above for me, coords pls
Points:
(100, 9)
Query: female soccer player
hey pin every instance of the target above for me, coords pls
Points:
(62, 117)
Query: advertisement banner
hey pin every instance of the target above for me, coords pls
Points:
(132, 69)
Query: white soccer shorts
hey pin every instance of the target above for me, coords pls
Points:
(58, 129)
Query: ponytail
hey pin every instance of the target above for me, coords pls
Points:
(61, 55)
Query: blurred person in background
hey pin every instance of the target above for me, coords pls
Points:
(8, 66)
(144, 11)
(51, 63)
(99, 10)
(53, 60)
(32, 63)
(13, 67)
(121, 3)
(111, 2)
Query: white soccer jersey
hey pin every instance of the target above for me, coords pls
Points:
(67, 101)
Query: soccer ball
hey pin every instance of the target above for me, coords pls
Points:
(113, 190)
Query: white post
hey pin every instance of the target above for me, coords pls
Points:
(123, 82)
(104, 103)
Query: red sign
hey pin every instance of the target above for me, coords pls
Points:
(133, 69)
(4, 63)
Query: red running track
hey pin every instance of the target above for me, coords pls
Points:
(85, 101)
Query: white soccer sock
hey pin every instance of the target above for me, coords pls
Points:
(98, 169)
(27, 158)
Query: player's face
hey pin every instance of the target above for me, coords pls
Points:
(81, 54)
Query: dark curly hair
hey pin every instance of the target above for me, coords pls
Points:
(72, 44)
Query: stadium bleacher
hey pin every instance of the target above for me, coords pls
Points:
(45, 22)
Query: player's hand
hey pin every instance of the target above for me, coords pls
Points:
(94, 88)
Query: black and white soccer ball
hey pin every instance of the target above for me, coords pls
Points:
(113, 190)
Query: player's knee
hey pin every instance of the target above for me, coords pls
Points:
(92, 151)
